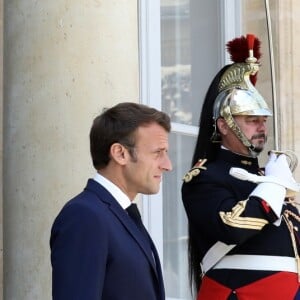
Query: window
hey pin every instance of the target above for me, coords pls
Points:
(182, 47)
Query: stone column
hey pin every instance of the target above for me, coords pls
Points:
(64, 62)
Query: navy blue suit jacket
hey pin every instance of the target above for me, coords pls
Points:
(98, 252)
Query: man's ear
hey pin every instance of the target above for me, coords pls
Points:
(222, 126)
(119, 153)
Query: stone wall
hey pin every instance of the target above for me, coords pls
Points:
(64, 62)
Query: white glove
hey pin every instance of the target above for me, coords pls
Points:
(272, 187)
(277, 171)
(274, 193)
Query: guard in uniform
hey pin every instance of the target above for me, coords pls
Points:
(243, 220)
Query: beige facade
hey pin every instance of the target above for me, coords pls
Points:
(61, 68)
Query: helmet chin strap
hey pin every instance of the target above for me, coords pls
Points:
(253, 150)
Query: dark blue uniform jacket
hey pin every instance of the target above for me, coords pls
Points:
(214, 192)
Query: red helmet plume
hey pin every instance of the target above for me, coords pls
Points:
(240, 49)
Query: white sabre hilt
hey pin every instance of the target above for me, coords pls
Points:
(291, 157)
(245, 175)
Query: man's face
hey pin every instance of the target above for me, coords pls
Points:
(253, 127)
(143, 171)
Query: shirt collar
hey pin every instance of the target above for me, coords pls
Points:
(116, 192)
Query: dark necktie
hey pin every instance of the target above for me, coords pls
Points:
(134, 213)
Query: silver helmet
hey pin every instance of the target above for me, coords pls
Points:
(238, 96)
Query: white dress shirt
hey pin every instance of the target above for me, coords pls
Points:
(119, 195)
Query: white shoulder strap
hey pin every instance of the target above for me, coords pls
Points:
(215, 254)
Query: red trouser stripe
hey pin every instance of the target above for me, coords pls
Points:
(282, 285)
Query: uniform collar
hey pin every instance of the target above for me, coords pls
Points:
(238, 160)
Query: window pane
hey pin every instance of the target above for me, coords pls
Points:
(190, 54)
(190, 57)
(174, 221)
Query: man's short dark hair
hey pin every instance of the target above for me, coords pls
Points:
(118, 124)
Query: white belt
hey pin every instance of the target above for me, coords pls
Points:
(258, 262)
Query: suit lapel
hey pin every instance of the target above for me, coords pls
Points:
(135, 233)
(127, 222)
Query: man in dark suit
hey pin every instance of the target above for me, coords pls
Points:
(98, 251)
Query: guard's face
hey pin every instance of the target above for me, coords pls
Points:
(253, 127)
(143, 172)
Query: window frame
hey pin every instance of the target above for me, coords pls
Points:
(150, 90)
